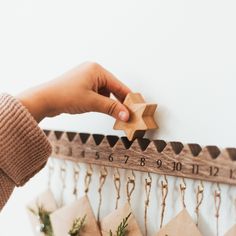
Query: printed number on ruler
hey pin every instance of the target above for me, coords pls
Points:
(178, 168)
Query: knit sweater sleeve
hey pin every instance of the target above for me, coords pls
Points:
(24, 147)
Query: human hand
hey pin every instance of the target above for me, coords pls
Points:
(83, 89)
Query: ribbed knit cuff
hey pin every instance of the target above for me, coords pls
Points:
(6, 188)
(24, 147)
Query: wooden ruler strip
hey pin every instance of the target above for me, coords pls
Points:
(156, 156)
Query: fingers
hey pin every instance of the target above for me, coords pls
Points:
(110, 107)
(115, 86)
(104, 92)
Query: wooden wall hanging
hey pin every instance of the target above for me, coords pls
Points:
(153, 156)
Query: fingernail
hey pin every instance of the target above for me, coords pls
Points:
(123, 116)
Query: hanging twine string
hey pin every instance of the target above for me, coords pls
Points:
(130, 186)
(50, 172)
(234, 205)
(76, 170)
(217, 200)
(88, 178)
(164, 193)
(182, 187)
(102, 179)
(199, 199)
(117, 183)
(232, 199)
(63, 181)
(148, 185)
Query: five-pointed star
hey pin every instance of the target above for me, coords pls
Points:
(141, 117)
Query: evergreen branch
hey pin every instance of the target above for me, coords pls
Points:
(44, 220)
(77, 226)
(122, 228)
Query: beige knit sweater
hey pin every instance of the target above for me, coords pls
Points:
(24, 148)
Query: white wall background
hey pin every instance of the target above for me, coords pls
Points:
(180, 54)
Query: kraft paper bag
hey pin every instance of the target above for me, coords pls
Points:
(62, 219)
(45, 200)
(182, 225)
(113, 220)
(231, 232)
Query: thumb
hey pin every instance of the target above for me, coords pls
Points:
(110, 107)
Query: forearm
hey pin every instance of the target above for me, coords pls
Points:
(24, 148)
(35, 102)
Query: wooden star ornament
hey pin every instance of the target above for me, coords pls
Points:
(141, 117)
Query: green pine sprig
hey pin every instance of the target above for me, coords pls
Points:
(77, 226)
(122, 228)
(44, 220)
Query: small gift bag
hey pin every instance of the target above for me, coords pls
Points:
(39, 212)
(121, 219)
(182, 225)
(231, 232)
(75, 219)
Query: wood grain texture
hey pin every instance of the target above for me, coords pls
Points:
(141, 117)
(157, 156)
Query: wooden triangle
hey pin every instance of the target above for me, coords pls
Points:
(231, 232)
(113, 220)
(63, 218)
(182, 224)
